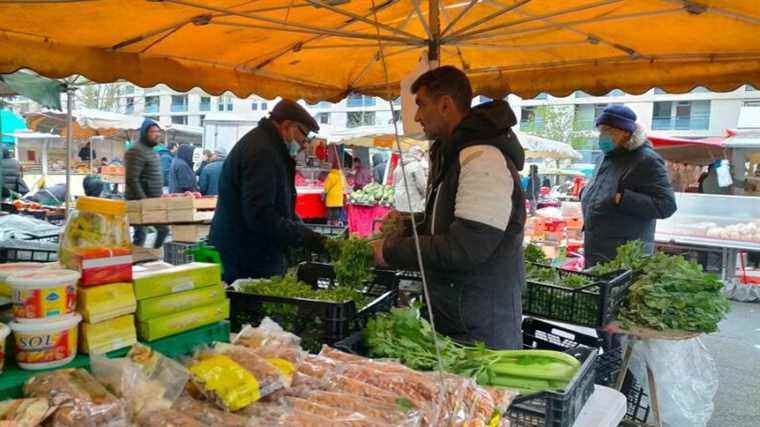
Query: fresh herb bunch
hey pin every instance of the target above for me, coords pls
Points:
(353, 260)
(669, 292)
(534, 253)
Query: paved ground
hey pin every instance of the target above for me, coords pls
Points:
(736, 349)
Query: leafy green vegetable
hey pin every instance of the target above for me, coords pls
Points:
(373, 194)
(353, 261)
(533, 253)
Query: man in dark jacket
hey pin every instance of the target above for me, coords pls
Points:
(13, 182)
(166, 155)
(143, 176)
(209, 182)
(379, 164)
(255, 219)
(471, 238)
(630, 189)
(182, 178)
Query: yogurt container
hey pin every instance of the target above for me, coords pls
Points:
(43, 293)
(4, 332)
(46, 344)
(14, 268)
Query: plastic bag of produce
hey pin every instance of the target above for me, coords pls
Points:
(82, 401)
(270, 341)
(25, 412)
(687, 379)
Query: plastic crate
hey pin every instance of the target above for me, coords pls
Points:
(322, 275)
(594, 305)
(329, 230)
(178, 253)
(14, 250)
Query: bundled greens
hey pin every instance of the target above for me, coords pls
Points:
(352, 260)
(402, 334)
(669, 292)
(543, 273)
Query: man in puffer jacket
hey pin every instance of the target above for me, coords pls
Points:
(181, 177)
(143, 176)
(471, 237)
(630, 189)
(13, 182)
(416, 169)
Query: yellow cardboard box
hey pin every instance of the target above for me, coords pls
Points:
(167, 279)
(104, 302)
(176, 323)
(173, 303)
(99, 338)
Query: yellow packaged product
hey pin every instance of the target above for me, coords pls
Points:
(173, 303)
(100, 303)
(173, 279)
(113, 334)
(173, 324)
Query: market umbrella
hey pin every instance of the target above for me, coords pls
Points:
(324, 49)
(373, 137)
(701, 151)
(41, 90)
(538, 147)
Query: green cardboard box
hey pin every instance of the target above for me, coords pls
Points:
(163, 279)
(160, 306)
(176, 323)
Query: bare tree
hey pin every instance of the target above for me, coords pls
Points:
(100, 96)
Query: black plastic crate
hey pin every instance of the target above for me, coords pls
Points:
(15, 250)
(594, 305)
(329, 230)
(176, 253)
(322, 275)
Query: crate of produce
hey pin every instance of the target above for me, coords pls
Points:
(178, 253)
(574, 297)
(329, 230)
(14, 250)
(316, 321)
(322, 275)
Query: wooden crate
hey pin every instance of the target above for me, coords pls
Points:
(190, 215)
(187, 203)
(189, 233)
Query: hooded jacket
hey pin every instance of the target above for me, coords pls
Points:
(255, 219)
(416, 177)
(638, 173)
(143, 170)
(471, 236)
(209, 181)
(165, 157)
(378, 169)
(11, 175)
(181, 176)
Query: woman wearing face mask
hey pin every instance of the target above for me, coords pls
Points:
(630, 189)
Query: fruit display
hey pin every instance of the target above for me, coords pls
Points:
(373, 194)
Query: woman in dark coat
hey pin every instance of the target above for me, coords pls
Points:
(630, 189)
(181, 176)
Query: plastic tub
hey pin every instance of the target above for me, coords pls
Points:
(4, 332)
(46, 344)
(40, 294)
(14, 268)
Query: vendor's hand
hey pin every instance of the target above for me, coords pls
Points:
(377, 249)
(618, 198)
(314, 242)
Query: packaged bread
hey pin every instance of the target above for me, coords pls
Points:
(82, 401)
(25, 412)
(207, 414)
(166, 418)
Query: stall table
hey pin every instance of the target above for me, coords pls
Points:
(362, 218)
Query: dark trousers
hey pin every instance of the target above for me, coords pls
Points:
(162, 231)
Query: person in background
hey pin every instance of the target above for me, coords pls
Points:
(181, 177)
(209, 181)
(378, 169)
(103, 161)
(255, 219)
(708, 181)
(416, 170)
(85, 154)
(471, 237)
(93, 186)
(12, 176)
(333, 190)
(166, 156)
(208, 157)
(630, 189)
(362, 175)
(54, 195)
(143, 177)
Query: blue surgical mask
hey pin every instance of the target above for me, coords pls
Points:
(606, 144)
(293, 148)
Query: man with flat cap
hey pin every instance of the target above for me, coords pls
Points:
(255, 219)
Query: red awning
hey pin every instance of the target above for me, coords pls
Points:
(691, 151)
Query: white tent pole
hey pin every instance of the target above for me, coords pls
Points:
(69, 135)
(91, 142)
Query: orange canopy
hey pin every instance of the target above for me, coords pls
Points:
(323, 49)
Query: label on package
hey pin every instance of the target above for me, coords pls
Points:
(41, 347)
(42, 303)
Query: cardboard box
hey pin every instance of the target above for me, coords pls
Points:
(161, 306)
(99, 338)
(164, 279)
(190, 233)
(176, 323)
(100, 303)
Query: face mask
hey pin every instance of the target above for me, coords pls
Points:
(606, 144)
(293, 148)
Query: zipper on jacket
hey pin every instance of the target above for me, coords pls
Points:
(435, 208)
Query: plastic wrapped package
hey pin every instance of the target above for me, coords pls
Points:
(341, 356)
(96, 242)
(270, 341)
(387, 413)
(160, 369)
(345, 384)
(82, 401)
(167, 418)
(338, 416)
(687, 379)
(206, 413)
(233, 376)
(317, 366)
(25, 412)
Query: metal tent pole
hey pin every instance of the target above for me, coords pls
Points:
(69, 135)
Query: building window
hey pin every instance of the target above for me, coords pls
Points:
(699, 89)
(130, 108)
(323, 118)
(254, 106)
(580, 94)
(616, 92)
(586, 115)
(179, 103)
(360, 118)
(397, 101)
(229, 104)
(205, 103)
(220, 104)
(531, 119)
(202, 120)
(179, 120)
(658, 91)
(542, 95)
(681, 115)
(324, 104)
(152, 104)
(356, 100)
(749, 88)
(129, 89)
(263, 106)
(154, 118)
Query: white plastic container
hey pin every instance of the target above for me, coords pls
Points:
(46, 344)
(4, 332)
(13, 268)
(40, 294)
